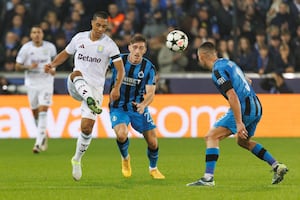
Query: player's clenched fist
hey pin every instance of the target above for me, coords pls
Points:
(49, 69)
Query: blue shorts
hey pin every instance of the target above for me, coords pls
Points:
(140, 122)
(228, 121)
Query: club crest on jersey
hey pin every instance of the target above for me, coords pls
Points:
(141, 74)
(45, 52)
(100, 48)
(114, 118)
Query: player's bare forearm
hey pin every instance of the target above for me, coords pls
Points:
(120, 73)
(235, 105)
(150, 93)
(140, 107)
(114, 94)
(21, 67)
(58, 60)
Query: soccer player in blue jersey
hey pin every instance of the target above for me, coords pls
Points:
(241, 119)
(136, 93)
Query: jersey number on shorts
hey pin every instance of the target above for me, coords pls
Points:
(148, 117)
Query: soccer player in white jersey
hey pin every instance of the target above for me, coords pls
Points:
(31, 58)
(92, 51)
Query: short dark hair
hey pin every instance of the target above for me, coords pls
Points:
(207, 47)
(138, 38)
(36, 26)
(100, 14)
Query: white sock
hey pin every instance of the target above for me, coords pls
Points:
(82, 145)
(208, 176)
(82, 87)
(42, 126)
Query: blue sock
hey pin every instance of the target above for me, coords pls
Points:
(212, 155)
(153, 157)
(263, 154)
(123, 147)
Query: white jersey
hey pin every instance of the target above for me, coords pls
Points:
(41, 55)
(92, 57)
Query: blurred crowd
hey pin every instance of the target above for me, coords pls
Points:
(266, 39)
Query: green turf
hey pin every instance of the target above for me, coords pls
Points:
(239, 175)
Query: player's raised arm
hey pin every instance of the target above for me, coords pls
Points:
(58, 60)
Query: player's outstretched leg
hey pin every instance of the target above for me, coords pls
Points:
(279, 171)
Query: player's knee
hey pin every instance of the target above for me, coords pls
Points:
(152, 144)
(121, 135)
(206, 137)
(86, 130)
(209, 137)
(74, 74)
(43, 109)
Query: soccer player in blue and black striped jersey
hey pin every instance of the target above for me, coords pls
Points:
(241, 119)
(136, 93)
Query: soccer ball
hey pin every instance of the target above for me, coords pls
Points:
(177, 41)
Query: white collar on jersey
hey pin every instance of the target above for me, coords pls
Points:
(102, 36)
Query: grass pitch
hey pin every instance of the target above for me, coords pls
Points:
(239, 174)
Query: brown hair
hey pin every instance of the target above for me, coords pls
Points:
(138, 38)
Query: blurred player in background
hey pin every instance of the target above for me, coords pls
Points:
(241, 119)
(31, 58)
(137, 92)
(93, 50)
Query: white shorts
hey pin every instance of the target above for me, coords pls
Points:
(40, 96)
(85, 110)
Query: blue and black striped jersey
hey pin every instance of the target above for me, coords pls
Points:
(226, 75)
(135, 80)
